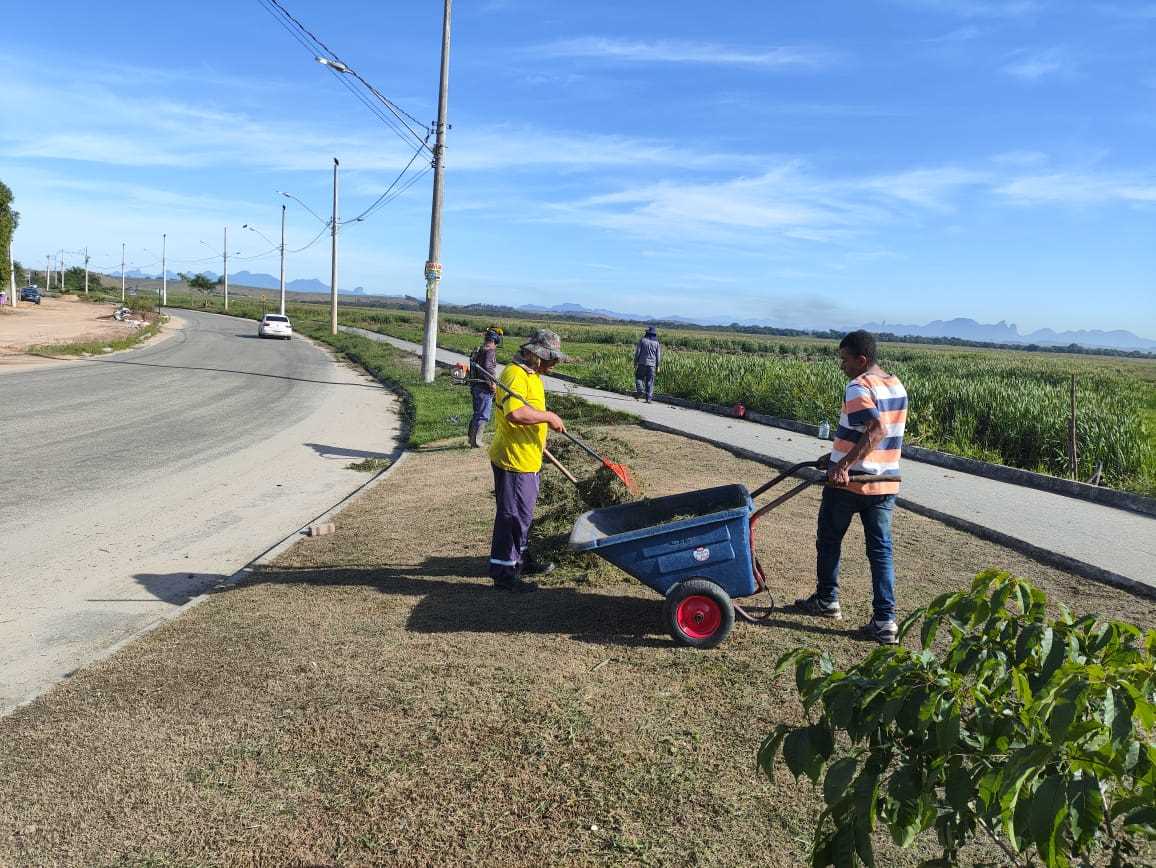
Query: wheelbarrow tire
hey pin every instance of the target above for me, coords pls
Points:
(698, 613)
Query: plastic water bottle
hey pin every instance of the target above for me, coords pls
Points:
(824, 430)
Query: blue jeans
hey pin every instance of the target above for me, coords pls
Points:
(839, 506)
(644, 381)
(483, 404)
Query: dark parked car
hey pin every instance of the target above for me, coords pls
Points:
(30, 293)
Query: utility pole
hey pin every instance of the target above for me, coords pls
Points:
(333, 259)
(122, 272)
(225, 267)
(86, 271)
(164, 272)
(48, 272)
(282, 260)
(433, 265)
(12, 277)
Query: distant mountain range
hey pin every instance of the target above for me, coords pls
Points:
(1006, 333)
(960, 328)
(256, 279)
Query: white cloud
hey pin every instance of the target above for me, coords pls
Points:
(785, 204)
(1034, 65)
(1020, 158)
(682, 51)
(1079, 189)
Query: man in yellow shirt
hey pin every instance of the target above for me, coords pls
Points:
(516, 455)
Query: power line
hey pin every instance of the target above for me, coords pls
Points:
(389, 189)
(315, 46)
(316, 238)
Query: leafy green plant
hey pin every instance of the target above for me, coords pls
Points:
(1031, 732)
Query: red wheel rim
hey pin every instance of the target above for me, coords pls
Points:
(698, 616)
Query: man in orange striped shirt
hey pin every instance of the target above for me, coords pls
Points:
(868, 441)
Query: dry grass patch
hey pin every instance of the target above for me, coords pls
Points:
(369, 700)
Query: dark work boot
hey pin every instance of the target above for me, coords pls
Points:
(473, 436)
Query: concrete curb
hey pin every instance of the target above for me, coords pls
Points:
(1044, 556)
(1125, 500)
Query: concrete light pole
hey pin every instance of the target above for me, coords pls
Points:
(333, 258)
(122, 272)
(164, 272)
(282, 260)
(225, 267)
(86, 271)
(433, 266)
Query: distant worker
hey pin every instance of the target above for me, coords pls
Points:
(647, 361)
(516, 454)
(483, 359)
(869, 441)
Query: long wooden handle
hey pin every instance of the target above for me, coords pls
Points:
(560, 466)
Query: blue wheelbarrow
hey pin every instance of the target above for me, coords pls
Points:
(696, 549)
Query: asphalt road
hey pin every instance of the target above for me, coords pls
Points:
(131, 483)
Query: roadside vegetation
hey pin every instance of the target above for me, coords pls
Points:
(101, 347)
(999, 406)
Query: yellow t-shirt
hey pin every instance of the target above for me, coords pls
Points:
(518, 447)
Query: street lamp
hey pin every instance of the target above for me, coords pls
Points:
(282, 249)
(224, 264)
(332, 225)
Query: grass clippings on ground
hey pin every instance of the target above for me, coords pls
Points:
(369, 699)
(370, 465)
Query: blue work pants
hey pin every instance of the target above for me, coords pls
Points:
(516, 494)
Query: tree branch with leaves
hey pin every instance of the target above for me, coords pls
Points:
(1033, 731)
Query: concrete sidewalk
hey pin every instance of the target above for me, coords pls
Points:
(1088, 539)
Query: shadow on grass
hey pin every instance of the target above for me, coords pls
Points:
(474, 606)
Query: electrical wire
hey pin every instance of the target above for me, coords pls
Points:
(389, 189)
(393, 107)
(316, 47)
(316, 238)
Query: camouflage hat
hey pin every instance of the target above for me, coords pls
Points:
(546, 345)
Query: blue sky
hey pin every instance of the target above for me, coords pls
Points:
(811, 163)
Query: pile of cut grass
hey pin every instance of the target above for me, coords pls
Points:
(561, 501)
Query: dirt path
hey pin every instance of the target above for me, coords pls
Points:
(62, 320)
(369, 700)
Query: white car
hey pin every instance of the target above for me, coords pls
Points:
(273, 325)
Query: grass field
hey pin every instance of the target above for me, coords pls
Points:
(1001, 406)
(367, 699)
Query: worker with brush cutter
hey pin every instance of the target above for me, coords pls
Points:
(482, 390)
(520, 431)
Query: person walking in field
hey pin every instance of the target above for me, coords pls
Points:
(520, 431)
(482, 388)
(869, 440)
(647, 361)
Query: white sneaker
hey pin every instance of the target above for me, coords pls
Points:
(883, 632)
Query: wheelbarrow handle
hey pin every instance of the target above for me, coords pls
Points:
(820, 464)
